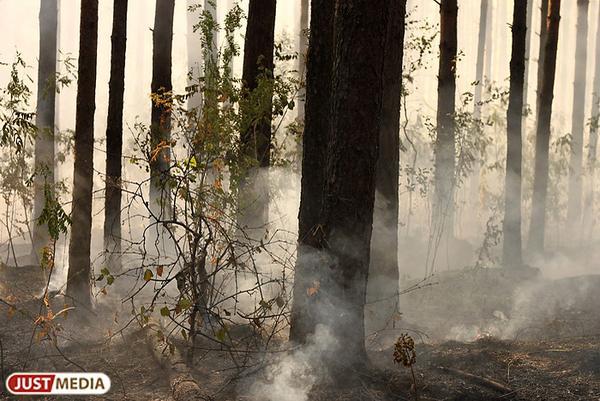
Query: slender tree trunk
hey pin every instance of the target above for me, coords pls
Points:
(541, 53)
(162, 40)
(194, 53)
(489, 43)
(46, 99)
(443, 209)
(78, 279)
(314, 145)
(593, 144)
(256, 138)
(542, 145)
(302, 51)
(481, 50)
(512, 247)
(382, 289)
(211, 63)
(114, 135)
(530, 33)
(574, 205)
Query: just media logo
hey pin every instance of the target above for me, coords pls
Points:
(58, 383)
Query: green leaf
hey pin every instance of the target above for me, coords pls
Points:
(164, 311)
(110, 279)
(184, 304)
(148, 275)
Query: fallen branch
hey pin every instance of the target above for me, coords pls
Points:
(483, 381)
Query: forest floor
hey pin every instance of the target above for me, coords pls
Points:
(563, 365)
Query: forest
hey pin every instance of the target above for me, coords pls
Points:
(296, 200)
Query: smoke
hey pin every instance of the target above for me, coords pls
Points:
(292, 376)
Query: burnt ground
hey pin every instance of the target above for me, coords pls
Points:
(560, 365)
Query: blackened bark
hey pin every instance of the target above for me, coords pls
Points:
(542, 146)
(314, 144)
(349, 188)
(443, 212)
(258, 61)
(160, 129)
(256, 136)
(481, 50)
(541, 52)
(574, 205)
(382, 289)
(114, 135)
(78, 279)
(512, 246)
(46, 102)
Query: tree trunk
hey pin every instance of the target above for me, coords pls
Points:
(512, 246)
(78, 280)
(382, 289)
(481, 50)
(593, 145)
(302, 50)
(314, 145)
(349, 188)
(160, 128)
(114, 136)
(256, 136)
(194, 54)
(577, 125)
(443, 209)
(541, 53)
(530, 33)
(44, 142)
(489, 43)
(542, 145)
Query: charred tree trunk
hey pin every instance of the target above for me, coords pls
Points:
(542, 145)
(481, 50)
(114, 135)
(78, 279)
(512, 246)
(46, 102)
(160, 128)
(382, 289)
(314, 144)
(593, 144)
(349, 187)
(574, 205)
(256, 136)
(541, 53)
(443, 208)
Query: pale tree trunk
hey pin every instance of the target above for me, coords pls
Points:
(45, 115)
(314, 145)
(530, 33)
(593, 141)
(481, 50)
(302, 51)
(384, 277)
(512, 246)
(160, 127)
(114, 136)
(542, 146)
(79, 275)
(574, 205)
(194, 53)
